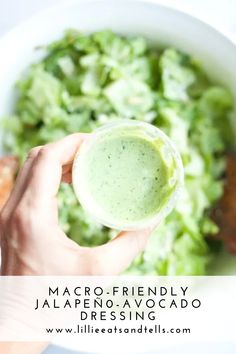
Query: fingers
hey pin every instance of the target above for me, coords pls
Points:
(115, 256)
(37, 187)
(47, 170)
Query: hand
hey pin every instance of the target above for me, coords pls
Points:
(32, 242)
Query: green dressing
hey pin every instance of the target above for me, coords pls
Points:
(127, 176)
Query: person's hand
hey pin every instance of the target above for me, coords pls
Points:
(32, 242)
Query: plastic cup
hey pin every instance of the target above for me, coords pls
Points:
(169, 154)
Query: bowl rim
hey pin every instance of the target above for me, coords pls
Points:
(223, 33)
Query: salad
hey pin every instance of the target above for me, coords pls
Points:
(86, 80)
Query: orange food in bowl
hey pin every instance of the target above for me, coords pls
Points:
(8, 169)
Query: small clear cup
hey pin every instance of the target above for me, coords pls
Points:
(169, 153)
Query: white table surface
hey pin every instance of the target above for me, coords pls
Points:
(219, 13)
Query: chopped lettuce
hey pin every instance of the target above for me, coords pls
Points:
(176, 75)
(129, 97)
(85, 81)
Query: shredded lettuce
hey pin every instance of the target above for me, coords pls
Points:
(84, 81)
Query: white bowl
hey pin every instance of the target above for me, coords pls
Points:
(159, 24)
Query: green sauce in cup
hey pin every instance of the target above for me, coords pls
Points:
(126, 174)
